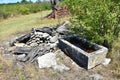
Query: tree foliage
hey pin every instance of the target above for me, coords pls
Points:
(96, 20)
(24, 1)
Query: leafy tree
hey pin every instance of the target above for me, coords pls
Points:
(39, 1)
(30, 1)
(96, 20)
(24, 1)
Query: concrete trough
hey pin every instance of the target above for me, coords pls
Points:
(83, 52)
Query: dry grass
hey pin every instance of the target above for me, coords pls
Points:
(5, 68)
(115, 64)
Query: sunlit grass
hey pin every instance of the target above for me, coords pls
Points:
(25, 23)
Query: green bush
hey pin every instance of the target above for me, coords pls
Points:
(4, 15)
(96, 20)
(1, 14)
(24, 10)
(45, 6)
(6, 10)
(34, 7)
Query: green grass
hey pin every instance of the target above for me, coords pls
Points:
(25, 23)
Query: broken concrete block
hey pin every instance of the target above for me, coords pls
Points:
(47, 60)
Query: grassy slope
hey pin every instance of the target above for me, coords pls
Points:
(25, 23)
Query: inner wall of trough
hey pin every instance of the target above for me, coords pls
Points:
(83, 44)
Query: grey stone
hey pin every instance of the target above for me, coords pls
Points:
(61, 68)
(47, 60)
(41, 41)
(23, 38)
(21, 56)
(44, 30)
(45, 35)
(62, 28)
(36, 52)
(21, 50)
(19, 44)
(47, 30)
(34, 44)
(39, 33)
(54, 39)
(53, 45)
(96, 76)
(106, 61)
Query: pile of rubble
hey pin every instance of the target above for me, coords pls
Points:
(38, 42)
(40, 45)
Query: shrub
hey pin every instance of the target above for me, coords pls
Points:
(96, 20)
(4, 14)
(45, 6)
(34, 7)
(24, 10)
(6, 10)
(1, 14)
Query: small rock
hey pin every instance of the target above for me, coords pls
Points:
(62, 28)
(106, 61)
(45, 35)
(19, 44)
(39, 33)
(54, 39)
(21, 56)
(96, 76)
(52, 45)
(47, 30)
(60, 68)
(33, 44)
(47, 60)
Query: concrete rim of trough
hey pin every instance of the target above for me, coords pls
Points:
(101, 50)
